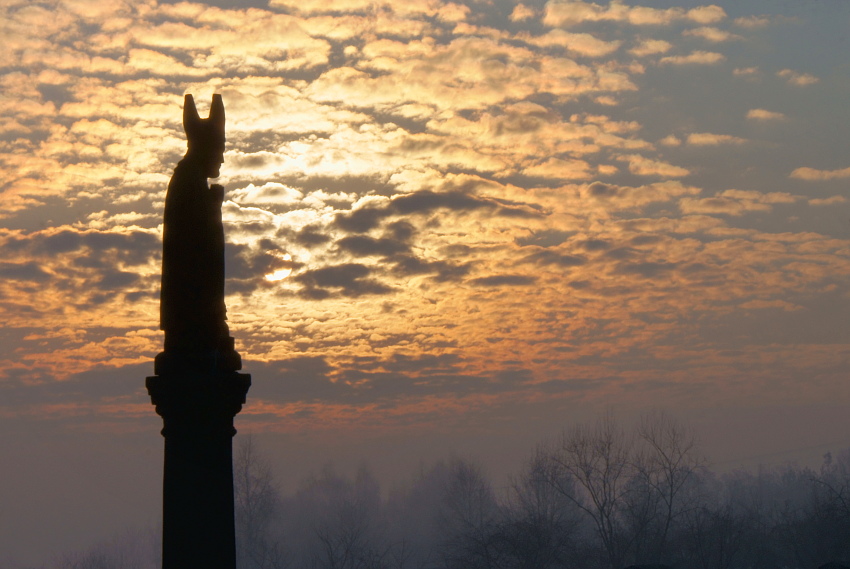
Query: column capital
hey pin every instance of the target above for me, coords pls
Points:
(198, 401)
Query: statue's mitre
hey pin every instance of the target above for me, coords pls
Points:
(204, 133)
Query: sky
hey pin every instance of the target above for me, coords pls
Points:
(453, 227)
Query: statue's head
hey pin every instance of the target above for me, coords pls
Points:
(205, 136)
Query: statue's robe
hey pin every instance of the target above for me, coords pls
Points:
(192, 310)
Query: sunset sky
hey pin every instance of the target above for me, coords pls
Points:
(453, 227)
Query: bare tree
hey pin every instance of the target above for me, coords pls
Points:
(666, 468)
(257, 503)
(538, 526)
(468, 517)
(713, 537)
(596, 461)
(340, 524)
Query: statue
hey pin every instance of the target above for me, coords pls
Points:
(192, 310)
(196, 388)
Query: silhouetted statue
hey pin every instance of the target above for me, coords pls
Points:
(192, 310)
(196, 388)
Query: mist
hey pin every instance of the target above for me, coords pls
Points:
(599, 495)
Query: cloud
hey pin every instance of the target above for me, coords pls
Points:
(349, 279)
(364, 246)
(627, 198)
(765, 115)
(158, 63)
(735, 202)
(643, 166)
(504, 280)
(549, 257)
(815, 175)
(581, 44)
(832, 200)
(745, 71)
(694, 58)
(710, 139)
(710, 14)
(269, 193)
(131, 246)
(521, 13)
(569, 13)
(647, 269)
(751, 22)
(710, 34)
(797, 78)
(457, 195)
(30, 271)
(651, 47)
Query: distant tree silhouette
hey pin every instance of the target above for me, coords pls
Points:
(257, 505)
(648, 489)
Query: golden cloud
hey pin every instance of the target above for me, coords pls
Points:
(815, 175)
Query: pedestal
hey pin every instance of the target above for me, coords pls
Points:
(197, 396)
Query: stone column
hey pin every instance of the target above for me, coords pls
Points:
(198, 395)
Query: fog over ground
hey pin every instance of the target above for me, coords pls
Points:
(453, 228)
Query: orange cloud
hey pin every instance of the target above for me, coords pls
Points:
(765, 115)
(710, 139)
(797, 78)
(694, 58)
(815, 175)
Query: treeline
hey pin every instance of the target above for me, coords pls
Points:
(601, 497)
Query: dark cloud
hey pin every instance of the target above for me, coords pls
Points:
(256, 227)
(130, 248)
(90, 261)
(349, 279)
(649, 270)
(456, 250)
(400, 230)
(116, 280)
(595, 245)
(621, 253)
(430, 362)
(246, 265)
(23, 272)
(504, 280)
(407, 265)
(361, 220)
(600, 190)
(545, 238)
(549, 257)
(364, 246)
(428, 201)
(692, 268)
(448, 272)
(61, 242)
(311, 236)
(99, 385)
(515, 377)
(646, 239)
(366, 379)
(518, 211)
(301, 378)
